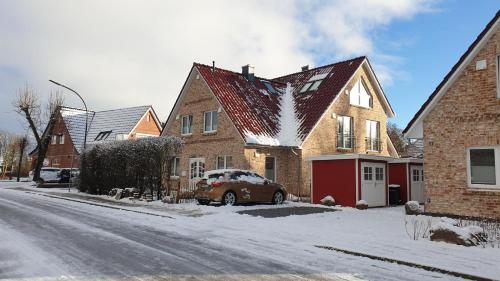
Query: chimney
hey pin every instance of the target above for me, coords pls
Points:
(248, 72)
(305, 68)
(213, 66)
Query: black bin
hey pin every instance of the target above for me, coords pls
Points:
(394, 194)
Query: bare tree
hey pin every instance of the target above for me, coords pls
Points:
(8, 150)
(22, 143)
(396, 135)
(28, 105)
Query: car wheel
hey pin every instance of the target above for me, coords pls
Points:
(278, 198)
(229, 198)
(203, 202)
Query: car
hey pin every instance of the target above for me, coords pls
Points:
(231, 186)
(50, 174)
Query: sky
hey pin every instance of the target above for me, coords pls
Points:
(128, 53)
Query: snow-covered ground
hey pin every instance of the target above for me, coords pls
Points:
(289, 241)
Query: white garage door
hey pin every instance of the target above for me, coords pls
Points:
(373, 184)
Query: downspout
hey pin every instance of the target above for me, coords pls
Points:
(299, 174)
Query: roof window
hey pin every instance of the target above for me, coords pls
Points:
(269, 87)
(102, 135)
(313, 83)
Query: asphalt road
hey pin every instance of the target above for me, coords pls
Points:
(51, 239)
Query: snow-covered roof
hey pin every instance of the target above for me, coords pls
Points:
(107, 123)
(260, 114)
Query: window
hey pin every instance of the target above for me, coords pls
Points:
(148, 118)
(102, 135)
(416, 175)
(270, 168)
(210, 122)
(498, 76)
(379, 174)
(176, 167)
(224, 162)
(368, 173)
(359, 95)
(313, 83)
(187, 125)
(344, 132)
(61, 138)
(483, 167)
(269, 87)
(54, 139)
(373, 135)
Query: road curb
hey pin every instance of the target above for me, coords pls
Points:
(410, 264)
(100, 205)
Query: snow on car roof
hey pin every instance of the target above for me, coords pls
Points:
(222, 171)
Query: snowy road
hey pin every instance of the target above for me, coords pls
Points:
(47, 238)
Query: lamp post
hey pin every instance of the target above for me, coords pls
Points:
(86, 111)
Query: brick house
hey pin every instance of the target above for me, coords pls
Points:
(230, 119)
(460, 127)
(103, 126)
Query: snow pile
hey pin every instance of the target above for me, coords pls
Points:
(261, 139)
(288, 125)
(447, 230)
(288, 122)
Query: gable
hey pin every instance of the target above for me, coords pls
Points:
(414, 129)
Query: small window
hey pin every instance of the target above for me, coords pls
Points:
(176, 167)
(210, 122)
(315, 85)
(61, 139)
(224, 162)
(482, 166)
(102, 135)
(306, 87)
(148, 118)
(269, 87)
(416, 175)
(187, 125)
(368, 173)
(54, 139)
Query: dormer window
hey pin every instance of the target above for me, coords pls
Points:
(359, 95)
(313, 83)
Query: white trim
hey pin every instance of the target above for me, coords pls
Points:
(145, 135)
(357, 179)
(456, 74)
(312, 185)
(407, 160)
(407, 172)
(350, 156)
(496, 149)
(497, 58)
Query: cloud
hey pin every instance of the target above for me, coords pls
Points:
(126, 53)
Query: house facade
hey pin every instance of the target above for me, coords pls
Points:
(236, 120)
(103, 126)
(460, 128)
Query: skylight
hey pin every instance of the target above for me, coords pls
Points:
(102, 135)
(313, 83)
(269, 87)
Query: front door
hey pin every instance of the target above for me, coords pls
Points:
(373, 184)
(417, 183)
(196, 171)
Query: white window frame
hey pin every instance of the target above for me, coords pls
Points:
(498, 75)
(174, 168)
(351, 132)
(190, 128)
(356, 100)
(496, 149)
(225, 162)
(211, 113)
(377, 133)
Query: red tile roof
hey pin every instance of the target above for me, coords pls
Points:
(255, 110)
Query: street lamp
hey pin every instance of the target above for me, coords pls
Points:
(86, 111)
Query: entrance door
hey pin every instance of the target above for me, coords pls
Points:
(196, 171)
(373, 184)
(417, 183)
(270, 169)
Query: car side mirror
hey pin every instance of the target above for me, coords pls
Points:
(266, 182)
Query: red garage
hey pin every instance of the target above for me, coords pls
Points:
(352, 177)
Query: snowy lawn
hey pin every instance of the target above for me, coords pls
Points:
(380, 232)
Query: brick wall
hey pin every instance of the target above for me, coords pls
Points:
(467, 115)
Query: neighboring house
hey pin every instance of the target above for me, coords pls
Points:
(460, 127)
(103, 126)
(237, 120)
(414, 149)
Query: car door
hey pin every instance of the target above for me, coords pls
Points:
(263, 189)
(240, 185)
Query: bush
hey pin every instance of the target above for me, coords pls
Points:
(141, 164)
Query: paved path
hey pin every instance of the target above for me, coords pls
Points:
(53, 239)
